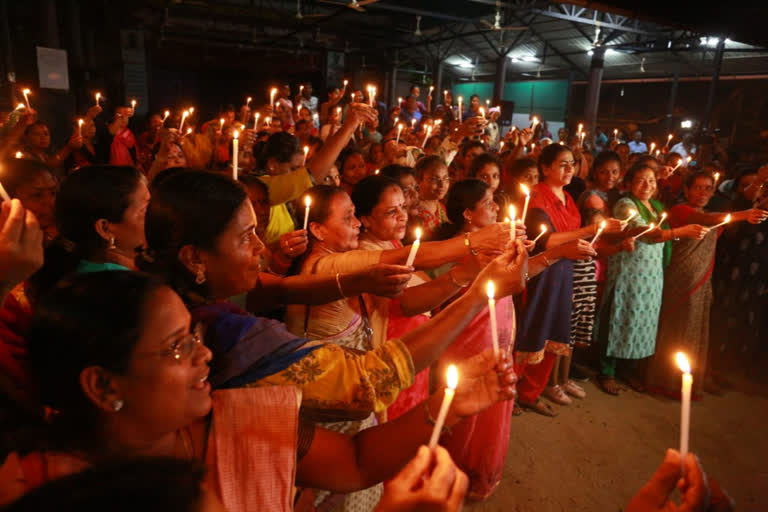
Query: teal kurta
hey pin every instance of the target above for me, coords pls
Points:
(633, 291)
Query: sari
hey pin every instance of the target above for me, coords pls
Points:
(685, 309)
(250, 453)
(478, 444)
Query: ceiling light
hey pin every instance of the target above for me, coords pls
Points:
(515, 59)
(590, 52)
(530, 58)
(610, 51)
(686, 124)
(466, 65)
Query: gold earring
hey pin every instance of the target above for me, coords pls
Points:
(200, 277)
(117, 405)
(111, 243)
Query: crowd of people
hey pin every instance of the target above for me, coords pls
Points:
(319, 266)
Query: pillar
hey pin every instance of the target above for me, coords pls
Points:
(707, 117)
(8, 78)
(672, 100)
(500, 80)
(49, 24)
(392, 93)
(437, 81)
(592, 102)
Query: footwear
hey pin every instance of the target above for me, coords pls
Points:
(517, 410)
(574, 390)
(557, 395)
(636, 384)
(577, 375)
(541, 407)
(609, 384)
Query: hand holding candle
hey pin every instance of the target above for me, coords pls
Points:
(525, 205)
(491, 290)
(725, 221)
(452, 381)
(414, 249)
(541, 233)
(307, 204)
(26, 96)
(597, 235)
(685, 403)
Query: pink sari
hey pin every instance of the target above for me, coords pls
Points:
(479, 443)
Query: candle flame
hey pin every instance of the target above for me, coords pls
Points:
(525, 189)
(581, 127)
(376, 171)
(632, 213)
(133, 103)
(727, 219)
(189, 130)
(490, 289)
(80, 122)
(26, 91)
(98, 95)
(20, 106)
(346, 82)
(248, 100)
(717, 176)
(19, 154)
(452, 377)
(602, 225)
(688, 159)
(166, 113)
(543, 228)
(682, 362)
(191, 110)
(663, 216)
(615, 131)
(669, 137)
(307, 201)
(235, 135)
(418, 233)
(221, 121)
(306, 150)
(512, 212)
(651, 226)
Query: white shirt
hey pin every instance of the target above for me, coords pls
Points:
(680, 150)
(637, 147)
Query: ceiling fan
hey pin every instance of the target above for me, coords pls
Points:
(496, 25)
(353, 4)
(300, 16)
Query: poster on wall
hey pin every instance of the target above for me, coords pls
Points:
(52, 68)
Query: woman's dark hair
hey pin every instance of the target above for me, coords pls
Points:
(633, 170)
(470, 144)
(90, 194)
(281, 146)
(33, 126)
(152, 484)
(367, 193)
(691, 179)
(396, 171)
(645, 160)
(481, 161)
(520, 165)
(550, 153)
(251, 180)
(321, 196)
(427, 163)
(601, 159)
(462, 195)
(20, 171)
(92, 319)
(191, 208)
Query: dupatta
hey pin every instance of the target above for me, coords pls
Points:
(648, 217)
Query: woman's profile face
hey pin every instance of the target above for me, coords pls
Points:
(484, 213)
(389, 217)
(129, 232)
(39, 137)
(341, 229)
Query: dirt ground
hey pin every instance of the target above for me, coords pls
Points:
(598, 452)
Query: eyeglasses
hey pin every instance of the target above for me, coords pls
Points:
(183, 348)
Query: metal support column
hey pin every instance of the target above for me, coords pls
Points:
(592, 103)
(500, 80)
(707, 118)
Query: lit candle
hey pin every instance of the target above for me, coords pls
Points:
(688, 160)
(491, 290)
(461, 98)
(272, 94)
(248, 101)
(189, 131)
(429, 131)
(268, 122)
(80, 127)
(345, 87)
(19, 154)
(98, 97)
(669, 139)
(307, 204)
(501, 146)
(399, 129)
(581, 137)
(581, 127)
(166, 114)
(414, 249)
(615, 134)
(632, 214)
(306, 152)
(533, 147)
(413, 124)
(374, 97)
(717, 177)
(376, 171)
(653, 146)
(191, 110)
(482, 112)
(133, 104)
(599, 232)
(183, 118)
(685, 404)
(445, 96)
(726, 221)
(541, 233)
(487, 103)
(256, 120)
(338, 114)
(452, 381)
(26, 92)
(658, 152)
(19, 106)
(534, 122)
(661, 219)
(512, 222)
(235, 143)
(679, 162)
(651, 227)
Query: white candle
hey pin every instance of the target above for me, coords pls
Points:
(414, 249)
(597, 235)
(482, 112)
(183, 117)
(235, 143)
(615, 134)
(685, 404)
(26, 96)
(133, 104)
(272, 94)
(632, 214)
(581, 127)
(461, 98)
(19, 106)
(452, 381)
(248, 101)
(166, 114)
(669, 139)
(501, 146)
(256, 120)
(653, 146)
(399, 129)
(717, 177)
(445, 96)
(4, 194)
(527, 198)
(301, 89)
(726, 221)
(306, 151)
(413, 124)
(345, 87)
(429, 131)
(512, 222)
(307, 204)
(98, 97)
(534, 122)
(541, 233)
(80, 127)
(491, 290)
(651, 227)
(581, 138)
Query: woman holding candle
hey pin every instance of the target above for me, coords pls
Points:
(542, 350)
(382, 209)
(487, 167)
(627, 322)
(147, 393)
(37, 142)
(687, 299)
(33, 183)
(433, 179)
(352, 169)
(86, 154)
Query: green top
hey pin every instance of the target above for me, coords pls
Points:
(87, 267)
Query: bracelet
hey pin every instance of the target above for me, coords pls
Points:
(469, 245)
(546, 260)
(453, 280)
(338, 285)
(432, 421)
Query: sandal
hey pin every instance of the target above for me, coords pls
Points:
(609, 384)
(637, 385)
(541, 407)
(556, 394)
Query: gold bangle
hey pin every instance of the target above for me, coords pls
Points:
(432, 421)
(453, 280)
(546, 260)
(338, 285)
(468, 244)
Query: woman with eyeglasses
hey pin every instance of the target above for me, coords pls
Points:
(542, 348)
(118, 359)
(627, 321)
(687, 299)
